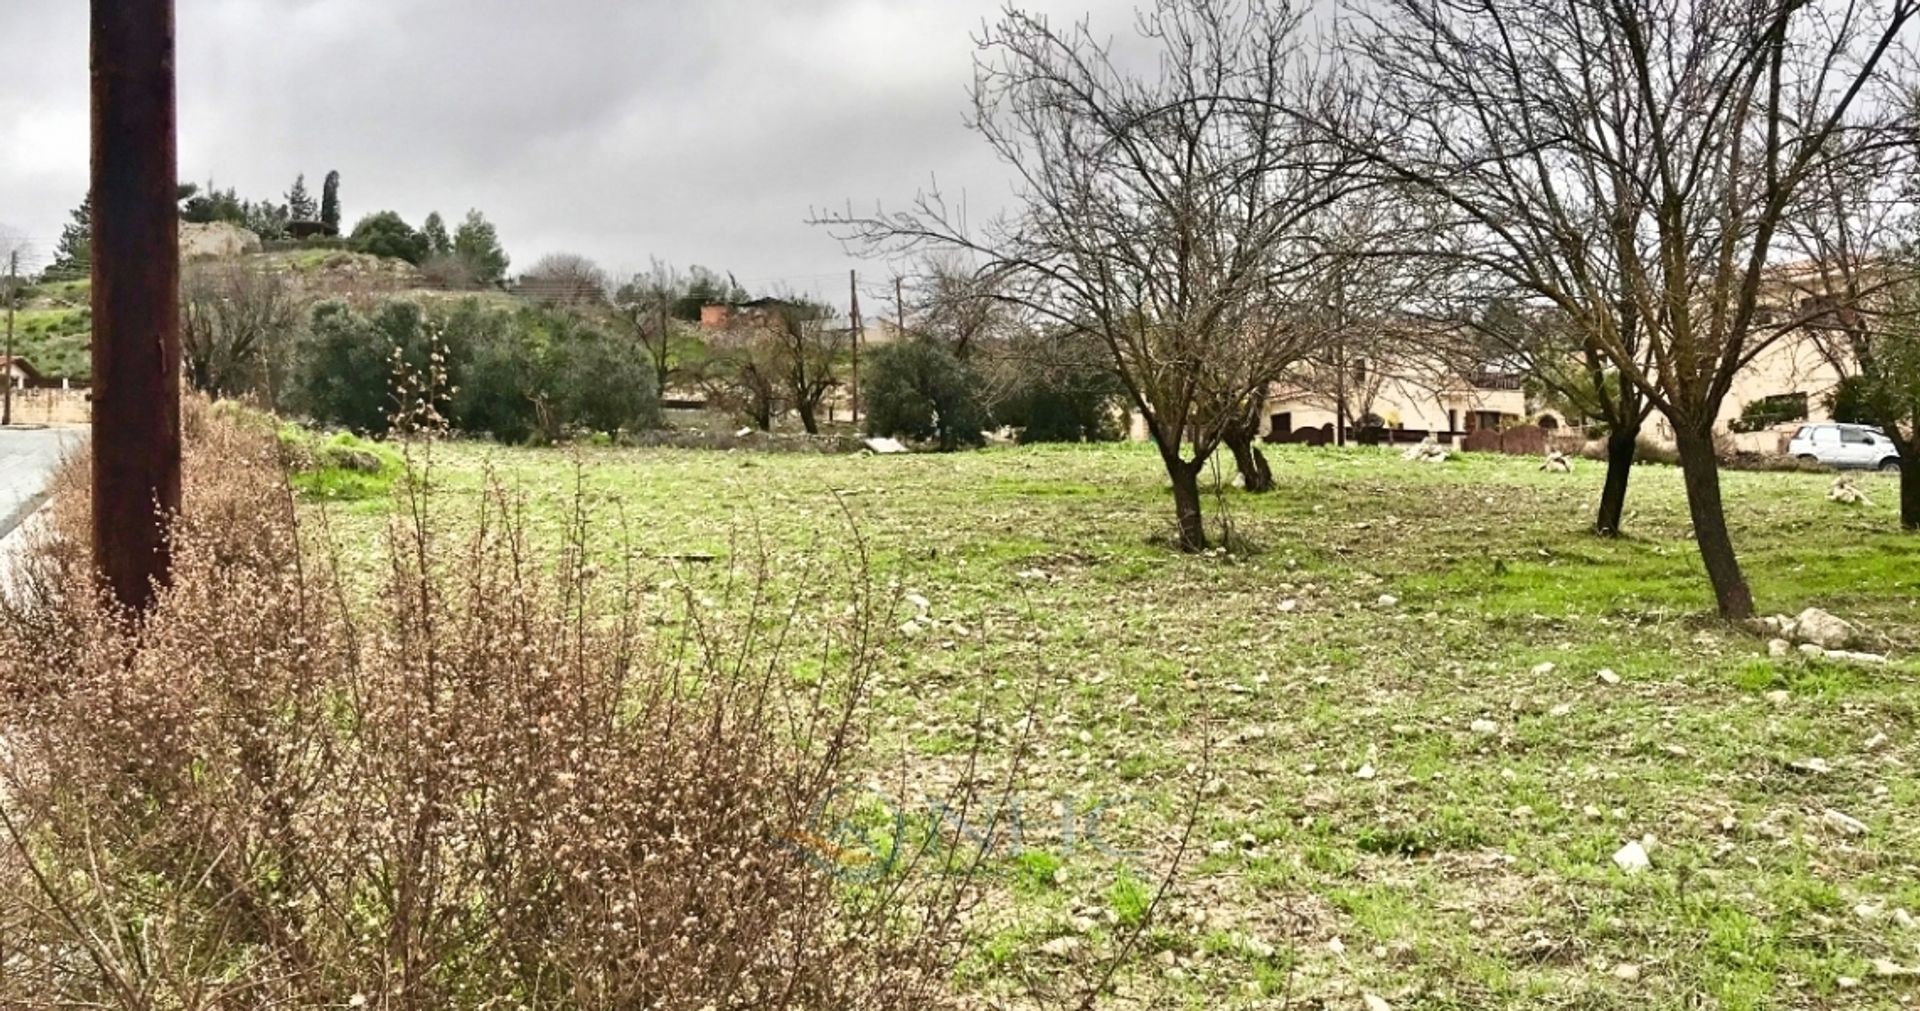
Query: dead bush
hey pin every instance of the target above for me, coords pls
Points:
(491, 776)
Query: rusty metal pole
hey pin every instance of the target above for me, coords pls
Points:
(136, 286)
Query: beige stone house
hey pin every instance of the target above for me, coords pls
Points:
(1413, 398)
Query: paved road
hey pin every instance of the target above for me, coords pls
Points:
(27, 459)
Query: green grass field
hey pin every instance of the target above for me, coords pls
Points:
(1417, 801)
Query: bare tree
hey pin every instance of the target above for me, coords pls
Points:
(645, 307)
(566, 279)
(740, 373)
(237, 326)
(1630, 162)
(962, 307)
(1858, 286)
(804, 349)
(1169, 216)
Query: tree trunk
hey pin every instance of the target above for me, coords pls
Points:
(1910, 484)
(807, 420)
(1621, 447)
(1255, 475)
(1701, 471)
(1186, 504)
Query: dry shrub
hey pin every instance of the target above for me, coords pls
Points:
(499, 777)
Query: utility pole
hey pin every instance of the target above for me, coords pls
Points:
(136, 292)
(666, 348)
(13, 295)
(900, 305)
(854, 286)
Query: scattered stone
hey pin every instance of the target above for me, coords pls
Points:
(1557, 463)
(1593, 813)
(1544, 669)
(1337, 946)
(1905, 919)
(1563, 709)
(1780, 649)
(1886, 969)
(1813, 651)
(1389, 600)
(1627, 972)
(1289, 606)
(1485, 728)
(1428, 451)
(1876, 742)
(1815, 766)
(1633, 858)
(1844, 823)
(920, 603)
(1780, 698)
(1869, 914)
(1033, 575)
(1609, 677)
(1847, 983)
(1824, 630)
(910, 628)
(1863, 659)
(1365, 772)
(1060, 947)
(885, 447)
(1375, 1002)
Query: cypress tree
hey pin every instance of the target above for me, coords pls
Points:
(330, 203)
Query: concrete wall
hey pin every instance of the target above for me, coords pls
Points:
(51, 407)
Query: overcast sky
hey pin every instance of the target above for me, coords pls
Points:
(697, 131)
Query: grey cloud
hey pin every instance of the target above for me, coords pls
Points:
(621, 129)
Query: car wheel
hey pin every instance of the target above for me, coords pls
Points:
(1807, 458)
(1890, 465)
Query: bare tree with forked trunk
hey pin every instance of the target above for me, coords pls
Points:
(1168, 215)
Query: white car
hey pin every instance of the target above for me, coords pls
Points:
(1847, 447)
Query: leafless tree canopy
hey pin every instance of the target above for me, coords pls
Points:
(238, 323)
(567, 279)
(1631, 162)
(1170, 216)
(645, 307)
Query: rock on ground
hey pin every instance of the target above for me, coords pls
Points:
(1824, 630)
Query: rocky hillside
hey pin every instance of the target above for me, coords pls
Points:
(54, 326)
